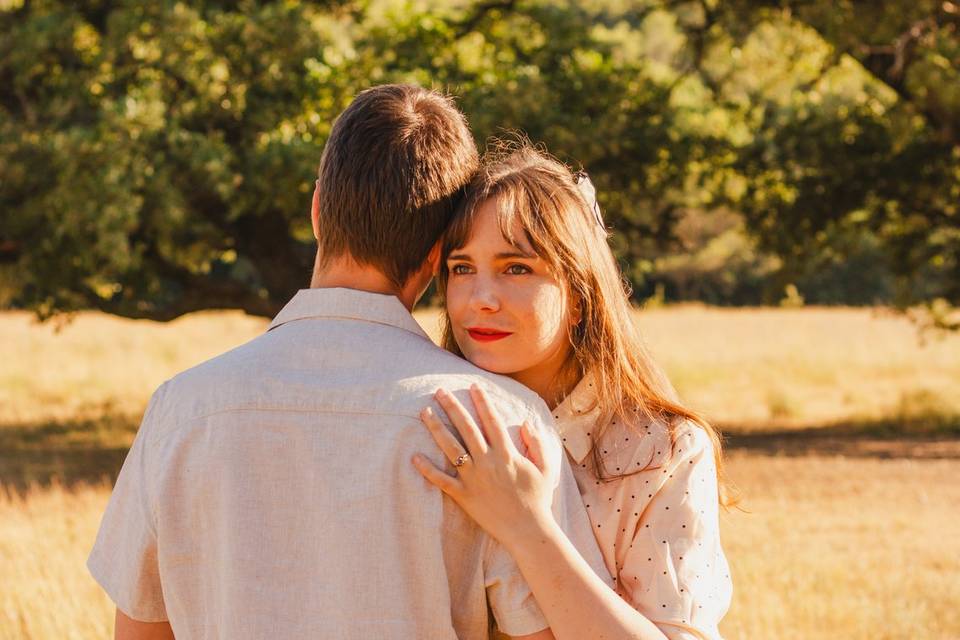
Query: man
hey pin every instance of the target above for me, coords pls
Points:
(269, 492)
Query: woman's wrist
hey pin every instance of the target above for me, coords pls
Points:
(533, 534)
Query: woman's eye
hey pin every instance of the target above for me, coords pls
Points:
(518, 269)
(459, 269)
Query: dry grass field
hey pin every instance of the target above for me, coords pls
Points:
(752, 369)
(855, 546)
(760, 369)
(831, 548)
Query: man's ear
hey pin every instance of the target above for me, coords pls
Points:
(433, 258)
(315, 211)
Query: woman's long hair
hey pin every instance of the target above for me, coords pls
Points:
(539, 195)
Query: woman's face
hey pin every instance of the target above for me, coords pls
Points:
(508, 312)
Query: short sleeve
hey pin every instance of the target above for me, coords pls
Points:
(514, 608)
(568, 508)
(675, 572)
(124, 557)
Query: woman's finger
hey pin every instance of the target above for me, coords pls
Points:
(441, 435)
(538, 450)
(463, 421)
(448, 484)
(493, 428)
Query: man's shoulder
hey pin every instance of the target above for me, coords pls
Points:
(184, 393)
(394, 373)
(441, 368)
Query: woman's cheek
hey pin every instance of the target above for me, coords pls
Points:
(547, 313)
(455, 306)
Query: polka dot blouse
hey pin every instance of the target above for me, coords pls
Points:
(657, 525)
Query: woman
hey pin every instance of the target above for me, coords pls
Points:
(532, 291)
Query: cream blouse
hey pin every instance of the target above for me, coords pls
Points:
(657, 526)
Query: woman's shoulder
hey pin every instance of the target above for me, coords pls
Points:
(694, 435)
(635, 442)
(631, 443)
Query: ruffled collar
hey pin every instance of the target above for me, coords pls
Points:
(576, 418)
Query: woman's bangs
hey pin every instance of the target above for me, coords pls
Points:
(458, 233)
(532, 212)
(523, 206)
(461, 227)
(513, 210)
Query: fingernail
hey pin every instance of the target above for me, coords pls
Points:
(426, 412)
(440, 393)
(416, 459)
(474, 387)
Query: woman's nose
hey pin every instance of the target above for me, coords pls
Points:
(484, 297)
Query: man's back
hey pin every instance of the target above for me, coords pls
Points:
(277, 499)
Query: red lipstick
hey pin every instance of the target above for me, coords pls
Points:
(482, 334)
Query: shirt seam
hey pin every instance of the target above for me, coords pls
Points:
(419, 332)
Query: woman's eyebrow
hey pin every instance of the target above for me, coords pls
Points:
(503, 255)
(515, 254)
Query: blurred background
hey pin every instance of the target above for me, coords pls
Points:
(782, 183)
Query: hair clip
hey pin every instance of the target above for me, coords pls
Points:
(589, 193)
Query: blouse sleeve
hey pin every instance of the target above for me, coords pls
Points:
(675, 572)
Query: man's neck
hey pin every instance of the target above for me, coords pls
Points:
(348, 274)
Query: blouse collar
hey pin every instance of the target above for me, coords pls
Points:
(576, 418)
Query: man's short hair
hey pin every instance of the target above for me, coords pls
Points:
(392, 172)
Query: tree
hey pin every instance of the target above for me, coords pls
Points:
(880, 156)
(156, 160)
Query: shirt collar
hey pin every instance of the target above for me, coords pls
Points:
(350, 304)
(576, 418)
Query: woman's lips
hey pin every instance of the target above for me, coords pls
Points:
(487, 335)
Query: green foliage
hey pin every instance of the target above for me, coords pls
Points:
(157, 158)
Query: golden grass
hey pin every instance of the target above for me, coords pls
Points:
(45, 590)
(832, 547)
(100, 364)
(746, 369)
(844, 548)
(774, 368)
(860, 549)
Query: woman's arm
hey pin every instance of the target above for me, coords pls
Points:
(509, 495)
(129, 629)
(575, 601)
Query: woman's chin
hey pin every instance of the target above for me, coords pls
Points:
(490, 363)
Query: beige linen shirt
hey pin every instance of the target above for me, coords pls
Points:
(657, 523)
(269, 492)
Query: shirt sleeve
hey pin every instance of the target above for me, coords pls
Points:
(675, 572)
(124, 557)
(514, 608)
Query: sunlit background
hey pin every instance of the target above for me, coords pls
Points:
(782, 184)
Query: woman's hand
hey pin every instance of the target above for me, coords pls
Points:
(507, 493)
